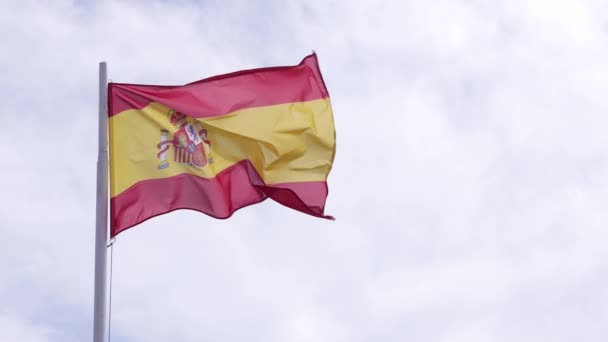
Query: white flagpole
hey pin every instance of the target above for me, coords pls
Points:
(101, 230)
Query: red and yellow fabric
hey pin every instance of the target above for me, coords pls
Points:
(220, 144)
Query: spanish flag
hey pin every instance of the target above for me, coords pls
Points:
(220, 144)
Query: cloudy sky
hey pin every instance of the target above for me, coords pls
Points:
(470, 182)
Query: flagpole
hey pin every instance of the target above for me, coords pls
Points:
(101, 229)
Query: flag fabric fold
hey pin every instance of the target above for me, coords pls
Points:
(220, 144)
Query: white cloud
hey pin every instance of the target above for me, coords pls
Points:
(16, 329)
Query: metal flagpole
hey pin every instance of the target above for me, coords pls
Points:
(101, 230)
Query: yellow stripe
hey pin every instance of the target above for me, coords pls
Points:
(291, 142)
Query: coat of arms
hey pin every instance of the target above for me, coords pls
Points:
(190, 143)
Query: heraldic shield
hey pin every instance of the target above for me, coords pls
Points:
(190, 143)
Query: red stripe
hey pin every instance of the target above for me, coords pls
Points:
(223, 94)
(219, 197)
(164, 147)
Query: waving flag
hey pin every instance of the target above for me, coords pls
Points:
(220, 144)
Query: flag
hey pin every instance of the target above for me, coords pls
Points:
(220, 144)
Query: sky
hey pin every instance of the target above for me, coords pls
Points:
(469, 185)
